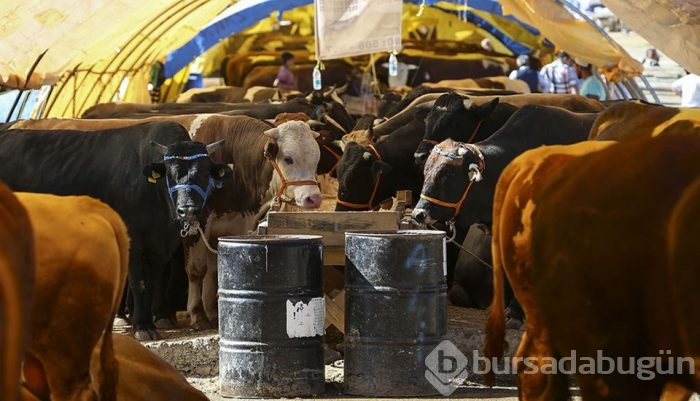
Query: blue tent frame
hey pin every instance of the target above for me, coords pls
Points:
(246, 13)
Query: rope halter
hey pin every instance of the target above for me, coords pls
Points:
(474, 173)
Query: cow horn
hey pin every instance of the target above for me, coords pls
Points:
(339, 143)
(213, 147)
(462, 151)
(366, 155)
(467, 103)
(315, 123)
(161, 148)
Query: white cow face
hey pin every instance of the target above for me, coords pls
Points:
(297, 156)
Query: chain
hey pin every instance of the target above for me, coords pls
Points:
(194, 228)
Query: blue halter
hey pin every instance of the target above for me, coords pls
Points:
(180, 187)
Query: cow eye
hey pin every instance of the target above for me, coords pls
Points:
(288, 160)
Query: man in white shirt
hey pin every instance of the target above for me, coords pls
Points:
(688, 88)
(559, 76)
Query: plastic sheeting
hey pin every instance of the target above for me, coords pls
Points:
(673, 26)
(575, 36)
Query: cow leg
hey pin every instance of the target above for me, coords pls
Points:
(538, 386)
(162, 308)
(141, 283)
(515, 317)
(210, 289)
(196, 266)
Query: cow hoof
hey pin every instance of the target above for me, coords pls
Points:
(146, 335)
(201, 325)
(165, 324)
(121, 321)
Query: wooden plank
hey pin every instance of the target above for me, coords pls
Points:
(331, 225)
(335, 311)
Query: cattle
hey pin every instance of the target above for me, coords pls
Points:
(268, 162)
(639, 119)
(391, 105)
(471, 273)
(257, 110)
(369, 175)
(479, 117)
(110, 165)
(513, 207)
(454, 169)
(82, 260)
(227, 94)
(497, 82)
(17, 278)
(144, 376)
(618, 278)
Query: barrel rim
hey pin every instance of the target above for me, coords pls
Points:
(400, 233)
(269, 238)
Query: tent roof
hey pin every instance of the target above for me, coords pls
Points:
(94, 34)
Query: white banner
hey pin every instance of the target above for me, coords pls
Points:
(354, 27)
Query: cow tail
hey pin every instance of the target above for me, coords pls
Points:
(495, 343)
(108, 361)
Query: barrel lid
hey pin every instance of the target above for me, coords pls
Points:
(395, 233)
(266, 239)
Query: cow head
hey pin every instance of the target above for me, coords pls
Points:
(359, 174)
(189, 175)
(293, 149)
(454, 117)
(331, 154)
(450, 172)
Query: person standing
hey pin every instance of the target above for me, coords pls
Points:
(285, 77)
(559, 76)
(526, 73)
(688, 88)
(591, 86)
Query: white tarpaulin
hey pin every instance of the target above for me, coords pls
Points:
(354, 27)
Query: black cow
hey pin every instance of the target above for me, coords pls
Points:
(369, 175)
(110, 165)
(392, 103)
(453, 186)
(451, 118)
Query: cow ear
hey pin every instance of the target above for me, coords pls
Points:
(379, 167)
(271, 149)
(219, 172)
(273, 133)
(486, 109)
(154, 171)
(421, 113)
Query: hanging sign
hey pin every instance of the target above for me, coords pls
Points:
(355, 27)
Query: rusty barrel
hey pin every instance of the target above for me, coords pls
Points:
(271, 316)
(395, 310)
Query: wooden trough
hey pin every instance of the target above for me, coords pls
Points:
(332, 226)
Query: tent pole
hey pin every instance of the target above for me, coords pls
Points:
(26, 84)
(650, 89)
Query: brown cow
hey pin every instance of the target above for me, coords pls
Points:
(605, 282)
(513, 206)
(82, 262)
(16, 287)
(498, 82)
(228, 94)
(637, 119)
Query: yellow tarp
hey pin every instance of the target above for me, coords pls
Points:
(673, 26)
(575, 36)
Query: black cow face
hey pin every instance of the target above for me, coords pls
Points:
(331, 154)
(358, 172)
(448, 174)
(450, 118)
(190, 176)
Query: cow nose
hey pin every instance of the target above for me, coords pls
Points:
(419, 215)
(312, 201)
(420, 158)
(185, 211)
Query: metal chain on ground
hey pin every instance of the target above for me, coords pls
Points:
(451, 240)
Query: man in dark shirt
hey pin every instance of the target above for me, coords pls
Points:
(526, 73)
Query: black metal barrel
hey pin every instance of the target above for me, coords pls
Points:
(271, 316)
(395, 310)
